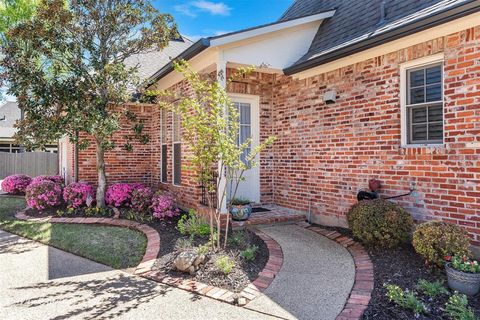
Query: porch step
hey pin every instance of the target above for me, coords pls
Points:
(276, 215)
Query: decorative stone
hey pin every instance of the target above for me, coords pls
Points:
(185, 261)
(242, 301)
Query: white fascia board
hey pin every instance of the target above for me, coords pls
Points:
(223, 40)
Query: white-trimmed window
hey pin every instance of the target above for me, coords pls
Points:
(422, 101)
(163, 144)
(177, 149)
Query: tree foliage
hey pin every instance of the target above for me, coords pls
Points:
(13, 12)
(66, 67)
(210, 128)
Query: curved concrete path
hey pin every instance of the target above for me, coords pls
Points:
(315, 280)
(41, 282)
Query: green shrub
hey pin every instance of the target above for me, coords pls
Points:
(191, 224)
(406, 300)
(225, 264)
(184, 243)
(203, 250)
(239, 201)
(435, 240)
(237, 238)
(250, 253)
(457, 308)
(380, 222)
(431, 289)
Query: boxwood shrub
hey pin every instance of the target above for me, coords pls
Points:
(380, 223)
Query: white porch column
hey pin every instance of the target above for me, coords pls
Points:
(222, 80)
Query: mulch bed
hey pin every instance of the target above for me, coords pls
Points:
(242, 274)
(403, 267)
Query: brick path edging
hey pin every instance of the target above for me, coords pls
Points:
(362, 289)
(252, 291)
(153, 238)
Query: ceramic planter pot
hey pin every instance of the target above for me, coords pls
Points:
(463, 282)
(241, 212)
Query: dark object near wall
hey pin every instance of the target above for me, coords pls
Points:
(365, 195)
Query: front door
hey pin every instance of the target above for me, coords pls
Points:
(248, 109)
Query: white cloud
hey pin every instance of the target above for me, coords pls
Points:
(214, 8)
(207, 34)
(185, 9)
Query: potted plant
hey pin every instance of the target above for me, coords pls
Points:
(463, 274)
(240, 209)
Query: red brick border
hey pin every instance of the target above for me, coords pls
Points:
(153, 238)
(362, 289)
(253, 290)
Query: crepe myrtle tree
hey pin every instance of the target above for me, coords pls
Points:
(210, 128)
(66, 67)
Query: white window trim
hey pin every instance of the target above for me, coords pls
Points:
(173, 150)
(163, 113)
(435, 58)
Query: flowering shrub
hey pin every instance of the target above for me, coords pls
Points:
(55, 179)
(44, 194)
(120, 194)
(16, 184)
(76, 194)
(141, 199)
(464, 264)
(434, 240)
(163, 206)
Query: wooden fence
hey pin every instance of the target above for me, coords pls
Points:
(30, 163)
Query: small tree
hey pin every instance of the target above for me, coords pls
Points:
(211, 131)
(66, 68)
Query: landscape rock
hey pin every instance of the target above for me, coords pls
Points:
(188, 261)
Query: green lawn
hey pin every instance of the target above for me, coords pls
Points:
(114, 246)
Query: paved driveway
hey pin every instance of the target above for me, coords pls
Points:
(41, 282)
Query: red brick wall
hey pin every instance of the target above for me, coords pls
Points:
(326, 153)
(121, 165)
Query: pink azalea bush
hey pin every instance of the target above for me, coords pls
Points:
(16, 184)
(55, 179)
(44, 194)
(120, 194)
(141, 199)
(76, 194)
(163, 206)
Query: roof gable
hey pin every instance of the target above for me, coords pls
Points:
(358, 20)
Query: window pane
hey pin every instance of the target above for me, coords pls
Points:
(245, 113)
(417, 78)
(435, 113)
(434, 92)
(244, 133)
(176, 127)
(419, 115)
(163, 125)
(417, 95)
(419, 132)
(435, 131)
(177, 163)
(434, 74)
(164, 163)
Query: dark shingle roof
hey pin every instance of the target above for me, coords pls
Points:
(359, 20)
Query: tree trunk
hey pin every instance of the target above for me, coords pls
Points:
(102, 179)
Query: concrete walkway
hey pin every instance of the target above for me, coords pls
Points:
(315, 280)
(41, 282)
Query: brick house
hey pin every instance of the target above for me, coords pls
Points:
(353, 90)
